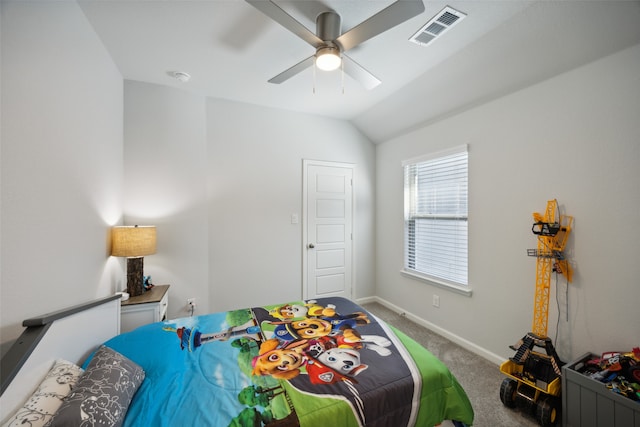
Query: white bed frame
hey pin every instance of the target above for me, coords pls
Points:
(71, 334)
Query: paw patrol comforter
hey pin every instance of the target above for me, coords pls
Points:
(307, 363)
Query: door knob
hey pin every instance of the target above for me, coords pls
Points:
(311, 246)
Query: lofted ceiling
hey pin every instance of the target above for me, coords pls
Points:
(231, 49)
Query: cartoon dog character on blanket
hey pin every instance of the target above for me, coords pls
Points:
(280, 360)
(297, 311)
(312, 327)
(325, 353)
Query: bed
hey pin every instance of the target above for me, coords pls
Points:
(306, 363)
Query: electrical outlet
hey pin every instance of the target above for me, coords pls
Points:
(191, 305)
(436, 301)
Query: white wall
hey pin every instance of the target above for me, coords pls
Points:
(255, 183)
(61, 162)
(165, 185)
(574, 138)
(223, 205)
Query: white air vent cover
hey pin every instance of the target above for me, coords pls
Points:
(437, 26)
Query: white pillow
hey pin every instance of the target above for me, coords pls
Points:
(47, 398)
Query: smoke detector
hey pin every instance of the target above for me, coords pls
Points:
(180, 76)
(437, 26)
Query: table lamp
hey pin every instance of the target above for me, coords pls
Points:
(133, 242)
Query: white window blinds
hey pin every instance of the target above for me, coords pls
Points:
(435, 192)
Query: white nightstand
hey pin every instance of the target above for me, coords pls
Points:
(149, 307)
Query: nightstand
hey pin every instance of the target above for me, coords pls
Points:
(149, 307)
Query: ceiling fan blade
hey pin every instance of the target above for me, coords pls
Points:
(355, 70)
(299, 67)
(394, 14)
(276, 13)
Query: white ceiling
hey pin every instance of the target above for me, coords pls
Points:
(231, 49)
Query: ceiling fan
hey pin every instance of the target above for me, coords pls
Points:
(330, 44)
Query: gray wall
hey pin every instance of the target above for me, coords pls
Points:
(61, 162)
(573, 138)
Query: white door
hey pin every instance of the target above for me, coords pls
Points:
(328, 229)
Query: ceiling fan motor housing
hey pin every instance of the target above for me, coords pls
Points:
(328, 26)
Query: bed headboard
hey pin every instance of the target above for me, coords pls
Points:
(70, 334)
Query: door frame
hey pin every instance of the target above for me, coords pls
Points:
(305, 221)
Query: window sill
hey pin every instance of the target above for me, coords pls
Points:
(464, 290)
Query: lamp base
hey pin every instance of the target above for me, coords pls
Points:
(135, 284)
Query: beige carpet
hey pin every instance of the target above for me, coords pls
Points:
(480, 378)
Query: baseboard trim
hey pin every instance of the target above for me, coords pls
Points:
(462, 342)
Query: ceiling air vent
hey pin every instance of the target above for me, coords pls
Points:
(437, 26)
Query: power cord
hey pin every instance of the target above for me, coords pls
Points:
(566, 305)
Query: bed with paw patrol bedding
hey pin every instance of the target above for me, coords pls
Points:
(317, 363)
(321, 363)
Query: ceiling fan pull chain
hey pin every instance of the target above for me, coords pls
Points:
(314, 78)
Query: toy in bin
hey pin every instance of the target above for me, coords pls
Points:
(620, 372)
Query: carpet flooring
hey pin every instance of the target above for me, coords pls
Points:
(480, 378)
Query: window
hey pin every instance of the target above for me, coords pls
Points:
(435, 225)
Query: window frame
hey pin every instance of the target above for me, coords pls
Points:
(445, 283)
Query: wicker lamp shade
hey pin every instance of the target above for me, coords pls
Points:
(134, 242)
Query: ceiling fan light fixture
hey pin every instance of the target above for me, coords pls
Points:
(328, 58)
